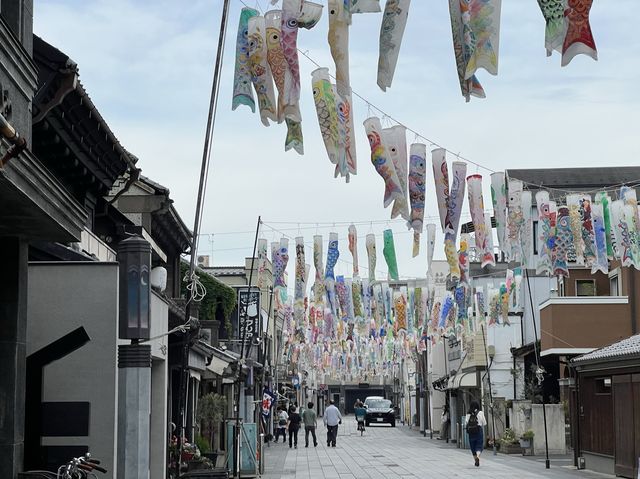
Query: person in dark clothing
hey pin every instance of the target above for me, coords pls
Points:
(475, 421)
(294, 426)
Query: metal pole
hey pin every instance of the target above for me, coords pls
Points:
(237, 435)
(537, 354)
(447, 393)
(264, 364)
(493, 416)
(204, 169)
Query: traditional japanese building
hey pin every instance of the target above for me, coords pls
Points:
(35, 206)
(607, 416)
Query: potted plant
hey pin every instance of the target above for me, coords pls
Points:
(211, 412)
(509, 442)
(526, 440)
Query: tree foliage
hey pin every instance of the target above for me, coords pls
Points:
(219, 295)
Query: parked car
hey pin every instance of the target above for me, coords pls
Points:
(379, 411)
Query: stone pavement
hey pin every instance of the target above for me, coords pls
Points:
(385, 452)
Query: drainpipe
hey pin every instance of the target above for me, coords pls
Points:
(18, 143)
(632, 300)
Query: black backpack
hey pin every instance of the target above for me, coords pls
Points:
(472, 424)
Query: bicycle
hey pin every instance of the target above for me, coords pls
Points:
(77, 468)
(360, 413)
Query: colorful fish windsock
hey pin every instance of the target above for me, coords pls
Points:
(262, 263)
(578, 39)
(431, 243)
(564, 241)
(447, 306)
(545, 237)
(389, 252)
(441, 180)
(332, 256)
(289, 40)
(588, 237)
(300, 271)
(371, 255)
(481, 26)
(602, 262)
(275, 56)
(353, 248)
(242, 92)
(476, 207)
(489, 248)
(504, 304)
(621, 232)
(456, 196)
(527, 228)
(279, 258)
(515, 219)
(460, 32)
(294, 139)
(394, 20)
(365, 6)
(310, 14)
(400, 306)
(260, 73)
(553, 13)
(463, 258)
(605, 200)
(339, 20)
(575, 221)
(280, 70)
(318, 286)
(341, 168)
(499, 200)
(417, 185)
(396, 142)
(339, 41)
(382, 161)
(325, 102)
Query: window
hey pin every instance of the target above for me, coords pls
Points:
(535, 237)
(585, 287)
(603, 386)
(615, 282)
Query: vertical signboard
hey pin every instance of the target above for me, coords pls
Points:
(248, 316)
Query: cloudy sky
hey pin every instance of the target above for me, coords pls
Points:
(147, 64)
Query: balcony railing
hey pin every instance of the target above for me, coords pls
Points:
(94, 246)
(579, 324)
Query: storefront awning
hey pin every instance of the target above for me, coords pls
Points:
(463, 380)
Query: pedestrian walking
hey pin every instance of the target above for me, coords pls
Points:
(294, 427)
(332, 418)
(475, 420)
(445, 423)
(281, 427)
(309, 419)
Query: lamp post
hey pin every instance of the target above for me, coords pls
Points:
(134, 359)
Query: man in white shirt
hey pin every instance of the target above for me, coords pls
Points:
(332, 418)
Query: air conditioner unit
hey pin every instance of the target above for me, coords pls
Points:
(203, 261)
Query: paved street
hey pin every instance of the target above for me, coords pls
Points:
(385, 452)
